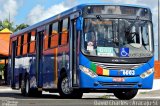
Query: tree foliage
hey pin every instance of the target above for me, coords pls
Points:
(21, 26)
(10, 25)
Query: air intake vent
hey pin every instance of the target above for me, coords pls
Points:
(131, 84)
(112, 66)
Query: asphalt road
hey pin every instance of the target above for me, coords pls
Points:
(10, 97)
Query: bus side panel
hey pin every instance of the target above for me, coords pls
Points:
(22, 65)
(17, 69)
(54, 60)
(63, 59)
(48, 68)
(32, 70)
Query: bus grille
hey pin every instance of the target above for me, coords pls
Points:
(110, 84)
(112, 66)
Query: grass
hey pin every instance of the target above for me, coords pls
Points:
(143, 92)
(105, 97)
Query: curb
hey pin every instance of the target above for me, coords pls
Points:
(5, 89)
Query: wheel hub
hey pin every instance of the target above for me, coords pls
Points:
(65, 86)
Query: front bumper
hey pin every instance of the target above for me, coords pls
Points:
(103, 82)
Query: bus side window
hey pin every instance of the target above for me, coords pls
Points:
(25, 44)
(54, 35)
(64, 33)
(28, 41)
(60, 32)
(18, 46)
(50, 35)
(45, 40)
(10, 47)
(32, 42)
(22, 42)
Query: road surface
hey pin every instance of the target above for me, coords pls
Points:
(9, 97)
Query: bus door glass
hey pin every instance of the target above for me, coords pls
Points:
(39, 47)
(74, 50)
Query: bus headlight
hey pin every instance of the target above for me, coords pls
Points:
(87, 71)
(147, 73)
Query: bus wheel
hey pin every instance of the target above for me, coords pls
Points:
(23, 87)
(65, 91)
(125, 94)
(27, 87)
(27, 91)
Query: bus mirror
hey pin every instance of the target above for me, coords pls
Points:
(79, 23)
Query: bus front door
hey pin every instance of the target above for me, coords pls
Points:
(74, 50)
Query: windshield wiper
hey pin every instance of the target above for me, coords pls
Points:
(132, 24)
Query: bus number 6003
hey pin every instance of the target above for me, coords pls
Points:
(128, 72)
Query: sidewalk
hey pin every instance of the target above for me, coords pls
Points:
(153, 93)
(5, 88)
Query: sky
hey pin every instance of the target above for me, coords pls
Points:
(33, 11)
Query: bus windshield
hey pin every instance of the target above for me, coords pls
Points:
(117, 38)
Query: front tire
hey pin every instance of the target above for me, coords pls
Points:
(65, 91)
(125, 94)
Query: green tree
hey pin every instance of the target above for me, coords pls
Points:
(21, 26)
(1, 25)
(7, 24)
(1, 71)
(10, 25)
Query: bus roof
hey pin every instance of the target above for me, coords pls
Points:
(78, 7)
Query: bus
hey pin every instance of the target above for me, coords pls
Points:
(88, 48)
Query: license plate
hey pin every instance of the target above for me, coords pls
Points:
(119, 79)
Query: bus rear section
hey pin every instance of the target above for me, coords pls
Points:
(92, 47)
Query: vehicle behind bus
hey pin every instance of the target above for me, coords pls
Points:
(91, 47)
